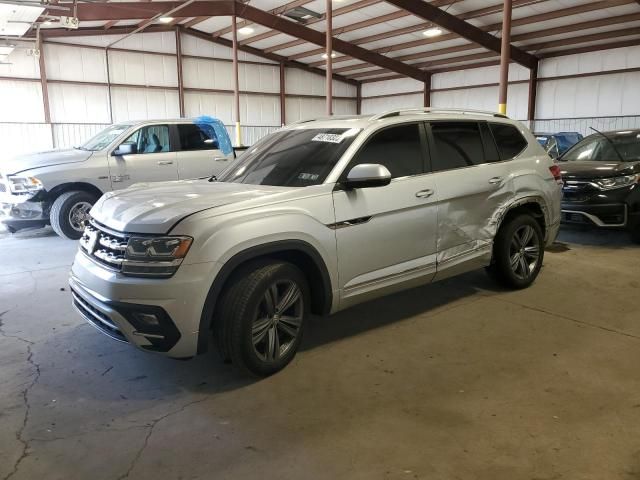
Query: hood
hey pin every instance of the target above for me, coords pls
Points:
(44, 159)
(597, 169)
(156, 207)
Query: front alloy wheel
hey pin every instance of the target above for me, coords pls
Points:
(259, 322)
(278, 320)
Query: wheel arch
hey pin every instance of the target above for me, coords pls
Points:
(534, 206)
(58, 190)
(297, 252)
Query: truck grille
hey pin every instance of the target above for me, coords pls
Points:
(104, 246)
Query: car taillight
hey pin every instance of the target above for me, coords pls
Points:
(556, 172)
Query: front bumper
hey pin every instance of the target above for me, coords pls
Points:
(18, 215)
(120, 306)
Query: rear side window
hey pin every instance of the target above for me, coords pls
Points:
(197, 137)
(456, 145)
(509, 140)
(397, 148)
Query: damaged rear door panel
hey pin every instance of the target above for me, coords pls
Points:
(474, 184)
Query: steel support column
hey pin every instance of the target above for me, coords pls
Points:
(359, 99)
(179, 67)
(427, 90)
(329, 53)
(106, 61)
(283, 117)
(505, 55)
(43, 83)
(533, 87)
(236, 81)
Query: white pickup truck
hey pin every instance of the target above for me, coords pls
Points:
(59, 187)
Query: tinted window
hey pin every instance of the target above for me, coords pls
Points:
(397, 148)
(456, 145)
(151, 139)
(197, 137)
(509, 140)
(291, 158)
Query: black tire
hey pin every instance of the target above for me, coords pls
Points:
(508, 246)
(65, 207)
(243, 315)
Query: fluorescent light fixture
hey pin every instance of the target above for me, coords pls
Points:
(432, 32)
(165, 19)
(324, 55)
(47, 22)
(245, 31)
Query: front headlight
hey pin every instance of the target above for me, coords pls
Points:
(617, 182)
(160, 256)
(24, 184)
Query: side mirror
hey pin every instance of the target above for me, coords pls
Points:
(368, 175)
(125, 149)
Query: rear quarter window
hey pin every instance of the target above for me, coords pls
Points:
(509, 140)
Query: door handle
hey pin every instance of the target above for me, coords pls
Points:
(220, 159)
(165, 162)
(424, 193)
(495, 180)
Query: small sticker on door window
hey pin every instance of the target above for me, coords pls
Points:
(328, 137)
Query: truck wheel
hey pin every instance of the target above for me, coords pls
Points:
(262, 315)
(518, 251)
(69, 211)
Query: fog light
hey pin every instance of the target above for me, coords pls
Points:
(148, 319)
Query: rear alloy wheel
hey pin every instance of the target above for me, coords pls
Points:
(69, 213)
(524, 252)
(260, 321)
(518, 252)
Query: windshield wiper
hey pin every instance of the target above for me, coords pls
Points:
(213, 178)
(613, 145)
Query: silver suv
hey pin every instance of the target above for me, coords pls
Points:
(315, 218)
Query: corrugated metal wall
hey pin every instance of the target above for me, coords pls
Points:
(144, 85)
(610, 101)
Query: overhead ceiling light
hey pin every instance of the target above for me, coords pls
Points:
(245, 31)
(432, 32)
(301, 14)
(47, 22)
(165, 19)
(324, 55)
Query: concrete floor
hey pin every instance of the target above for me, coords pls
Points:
(457, 380)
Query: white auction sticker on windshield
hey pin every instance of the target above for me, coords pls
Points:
(328, 137)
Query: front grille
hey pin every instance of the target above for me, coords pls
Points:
(104, 246)
(96, 317)
(3, 187)
(578, 190)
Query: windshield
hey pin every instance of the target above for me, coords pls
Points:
(292, 158)
(597, 148)
(104, 138)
